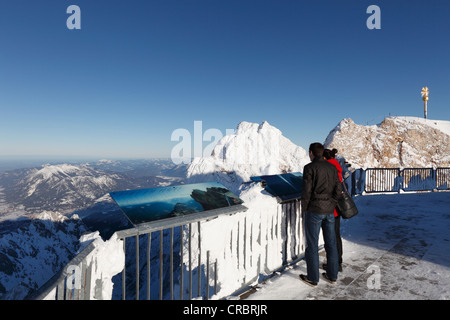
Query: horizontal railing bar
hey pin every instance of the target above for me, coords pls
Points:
(158, 225)
(62, 274)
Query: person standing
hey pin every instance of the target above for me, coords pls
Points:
(320, 192)
(330, 156)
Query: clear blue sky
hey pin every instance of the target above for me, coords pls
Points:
(138, 70)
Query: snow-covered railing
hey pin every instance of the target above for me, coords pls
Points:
(374, 180)
(163, 255)
(208, 258)
(443, 178)
(88, 275)
(62, 287)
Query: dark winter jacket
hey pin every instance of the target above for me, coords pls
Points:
(321, 187)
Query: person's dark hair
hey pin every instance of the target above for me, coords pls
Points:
(329, 154)
(317, 149)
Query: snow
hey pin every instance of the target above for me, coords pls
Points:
(105, 161)
(254, 150)
(48, 171)
(441, 125)
(400, 240)
(238, 242)
(66, 187)
(106, 260)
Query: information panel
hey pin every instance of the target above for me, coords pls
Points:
(285, 187)
(145, 205)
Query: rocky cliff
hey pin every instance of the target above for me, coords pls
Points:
(395, 142)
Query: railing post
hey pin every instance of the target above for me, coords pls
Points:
(190, 260)
(137, 267)
(181, 263)
(207, 275)
(215, 277)
(123, 272)
(171, 263)
(199, 269)
(161, 261)
(434, 177)
(149, 244)
(353, 182)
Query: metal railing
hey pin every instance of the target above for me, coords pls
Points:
(374, 180)
(73, 282)
(76, 280)
(157, 266)
(294, 245)
(169, 262)
(155, 261)
(443, 178)
(382, 180)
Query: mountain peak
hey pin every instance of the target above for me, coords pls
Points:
(255, 149)
(49, 216)
(48, 171)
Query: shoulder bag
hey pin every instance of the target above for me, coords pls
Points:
(346, 205)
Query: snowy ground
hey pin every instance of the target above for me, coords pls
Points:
(398, 247)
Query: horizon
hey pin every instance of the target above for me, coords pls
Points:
(56, 159)
(122, 84)
(88, 158)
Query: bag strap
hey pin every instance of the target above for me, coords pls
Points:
(344, 186)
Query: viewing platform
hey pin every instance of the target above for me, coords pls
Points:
(395, 249)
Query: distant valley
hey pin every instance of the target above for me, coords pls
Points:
(81, 189)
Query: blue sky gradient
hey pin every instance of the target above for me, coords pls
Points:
(138, 70)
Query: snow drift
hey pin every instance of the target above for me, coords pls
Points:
(105, 260)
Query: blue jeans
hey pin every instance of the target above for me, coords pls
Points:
(313, 223)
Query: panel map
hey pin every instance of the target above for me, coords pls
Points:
(284, 187)
(146, 205)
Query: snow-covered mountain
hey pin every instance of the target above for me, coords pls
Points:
(396, 142)
(254, 150)
(34, 248)
(62, 187)
(140, 168)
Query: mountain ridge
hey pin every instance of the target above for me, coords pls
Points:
(60, 187)
(395, 142)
